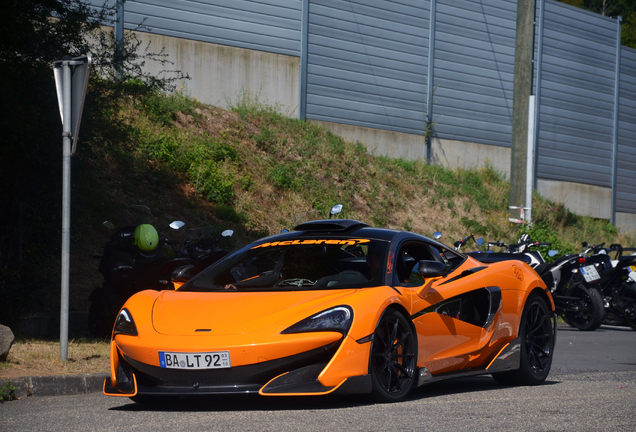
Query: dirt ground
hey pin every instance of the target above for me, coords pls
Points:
(40, 358)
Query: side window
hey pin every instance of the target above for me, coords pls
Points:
(408, 256)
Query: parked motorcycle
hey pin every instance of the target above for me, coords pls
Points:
(137, 258)
(617, 283)
(578, 304)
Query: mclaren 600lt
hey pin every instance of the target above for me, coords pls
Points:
(334, 306)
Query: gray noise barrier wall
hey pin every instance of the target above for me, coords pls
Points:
(474, 67)
(577, 96)
(367, 63)
(626, 161)
(263, 25)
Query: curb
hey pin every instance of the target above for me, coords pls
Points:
(57, 385)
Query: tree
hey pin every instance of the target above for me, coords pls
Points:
(624, 8)
(34, 34)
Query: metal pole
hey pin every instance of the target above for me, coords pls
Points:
(617, 76)
(304, 31)
(429, 83)
(537, 90)
(66, 206)
(530, 160)
(119, 37)
(522, 88)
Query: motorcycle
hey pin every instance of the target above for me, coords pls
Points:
(137, 258)
(578, 304)
(617, 283)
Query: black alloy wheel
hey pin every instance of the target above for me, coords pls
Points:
(537, 333)
(590, 308)
(393, 357)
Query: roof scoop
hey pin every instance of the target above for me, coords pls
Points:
(330, 225)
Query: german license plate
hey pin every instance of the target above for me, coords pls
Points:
(192, 361)
(590, 274)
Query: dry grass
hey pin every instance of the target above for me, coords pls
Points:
(40, 357)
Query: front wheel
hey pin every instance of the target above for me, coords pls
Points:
(393, 357)
(537, 334)
(586, 311)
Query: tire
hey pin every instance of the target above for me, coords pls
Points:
(591, 308)
(630, 312)
(537, 335)
(393, 359)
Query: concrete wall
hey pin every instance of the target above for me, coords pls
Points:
(626, 223)
(588, 200)
(461, 154)
(379, 141)
(221, 74)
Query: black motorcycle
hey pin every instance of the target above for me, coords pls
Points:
(578, 304)
(617, 283)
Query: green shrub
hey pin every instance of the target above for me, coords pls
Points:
(164, 108)
(7, 391)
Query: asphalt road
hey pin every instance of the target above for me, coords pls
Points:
(592, 387)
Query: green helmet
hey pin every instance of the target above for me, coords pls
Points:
(145, 237)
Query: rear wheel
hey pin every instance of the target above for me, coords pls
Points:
(630, 310)
(537, 335)
(589, 306)
(393, 357)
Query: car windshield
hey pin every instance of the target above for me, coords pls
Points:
(298, 264)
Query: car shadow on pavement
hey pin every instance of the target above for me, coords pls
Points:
(253, 402)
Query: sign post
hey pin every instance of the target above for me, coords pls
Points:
(71, 80)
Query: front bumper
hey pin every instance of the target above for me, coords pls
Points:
(296, 374)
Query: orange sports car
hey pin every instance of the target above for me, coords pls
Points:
(334, 306)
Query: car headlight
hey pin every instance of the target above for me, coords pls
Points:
(336, 319)
(125, 324)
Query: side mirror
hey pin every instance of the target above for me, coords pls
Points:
(176, 225)
(183, 273)
(335, 210)
(428, 269)
(585, 244)
(227, 233)
(552, 252)
(109, 225)
(479, 241)
(437, 235)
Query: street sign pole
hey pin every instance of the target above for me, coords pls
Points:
(71, 81)
(66, 206)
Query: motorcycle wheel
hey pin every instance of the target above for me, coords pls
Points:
(630, 315)
(591, 309)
